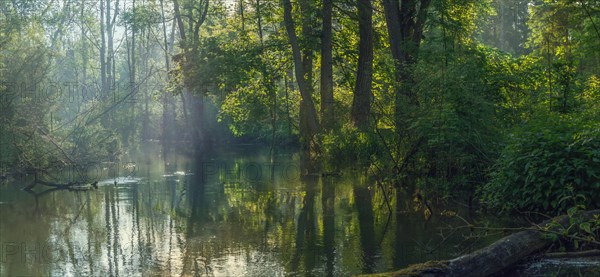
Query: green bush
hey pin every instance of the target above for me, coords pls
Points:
(548, 165)
(351, 145)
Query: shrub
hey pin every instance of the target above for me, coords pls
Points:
(548, 165)
(353, 146)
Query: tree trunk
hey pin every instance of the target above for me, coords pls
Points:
(259, 22)
(145, 68)
(327, 102)
(308, 114)
(361, 103)
(103, 88)
(307, 33)
(289, 87)
(179, 22)
(113, 61)
(405, 22)
(84, 55)
(109, 49)
(242, 14)
(168, 116)
(132, 81)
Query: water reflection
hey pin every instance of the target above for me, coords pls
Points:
(231, 212)
(364, 207)
(328, 203)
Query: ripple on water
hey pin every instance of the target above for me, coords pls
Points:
(120, 181)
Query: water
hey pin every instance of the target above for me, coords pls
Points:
(232, 212)
(586, 266)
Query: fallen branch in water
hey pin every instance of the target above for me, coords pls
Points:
(67, 186)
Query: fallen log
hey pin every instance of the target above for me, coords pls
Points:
(495, 258)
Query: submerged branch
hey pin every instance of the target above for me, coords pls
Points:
(68, 186)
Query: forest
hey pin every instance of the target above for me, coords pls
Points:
(493, 104)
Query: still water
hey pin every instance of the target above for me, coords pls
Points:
(233, 212)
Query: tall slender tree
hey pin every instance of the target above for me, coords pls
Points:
(168, 116)
(309, 126)
(103, 85)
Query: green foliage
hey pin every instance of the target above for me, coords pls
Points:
(142, 17)
(350, 144)
(581, 233)
(546, 162)
(105, 147)
(470, 87)
(23, 100)
(39, 101)
(458, 120)
(248, 109)
(590, 99)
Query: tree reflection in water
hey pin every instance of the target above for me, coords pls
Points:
(206, 216)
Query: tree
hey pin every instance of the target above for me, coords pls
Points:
(195, 13)
(327, 101)
(565, 35)
(405, 20)
(168, 116)
(309, 126)
(361, 103)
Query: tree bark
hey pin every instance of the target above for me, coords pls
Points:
(179, 22)
(327, 101)
(259, 22)
(307, 40)
(361, 102)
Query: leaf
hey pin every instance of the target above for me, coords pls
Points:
(571, 211)
(585, 226)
